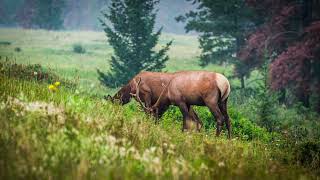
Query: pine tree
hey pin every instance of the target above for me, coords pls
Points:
(129, 25)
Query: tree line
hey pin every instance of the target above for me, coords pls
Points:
(50, 14)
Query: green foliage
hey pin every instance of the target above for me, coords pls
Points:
(267, 101)
(308, 154)
(242, 127)
(78, 48)
(5, 43)
(133, 40)
(17, 49)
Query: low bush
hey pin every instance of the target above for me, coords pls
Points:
(5, 43)
(78, 48)
(17, 49)
(307, 153)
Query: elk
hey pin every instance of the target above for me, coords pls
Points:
(146, 88)
(199, 88)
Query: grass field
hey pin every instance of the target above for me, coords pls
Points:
(65, 134)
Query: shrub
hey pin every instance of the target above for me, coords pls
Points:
(17, 49)
(5, 43)
(78, 48)
(308, 154)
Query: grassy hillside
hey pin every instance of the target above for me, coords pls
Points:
(69, 132)
(61, 134)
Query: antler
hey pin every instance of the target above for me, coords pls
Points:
(137, 94)
(155, 106)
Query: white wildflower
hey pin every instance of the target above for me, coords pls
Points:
(156, 160)
(111, 140)
(153, 149)
(122, 152)
(203, 166)
(221, 164)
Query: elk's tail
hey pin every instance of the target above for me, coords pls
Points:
(223, 85)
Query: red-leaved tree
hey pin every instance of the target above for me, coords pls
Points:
(290, 37)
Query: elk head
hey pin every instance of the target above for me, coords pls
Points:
(122, 96)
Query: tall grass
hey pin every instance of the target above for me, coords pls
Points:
(64, 135)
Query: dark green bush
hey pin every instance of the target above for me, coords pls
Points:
(5, 43)
(17, 49)
(308, 154)
(78, 48)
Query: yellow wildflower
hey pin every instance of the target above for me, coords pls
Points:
(57, 84)
(52, 88)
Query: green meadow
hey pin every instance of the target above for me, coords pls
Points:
(73, 133)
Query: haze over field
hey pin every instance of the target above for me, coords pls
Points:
(83, 14)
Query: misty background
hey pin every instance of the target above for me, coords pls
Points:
(84, 14)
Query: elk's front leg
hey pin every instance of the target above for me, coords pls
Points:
(185, 113)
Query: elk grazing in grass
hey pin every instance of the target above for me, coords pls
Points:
(199, 88)
(148, 86)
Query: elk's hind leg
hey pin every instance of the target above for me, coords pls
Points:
(224, 110)
(212, 104)
(195, 118)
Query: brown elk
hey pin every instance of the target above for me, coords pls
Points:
(200, 88)
(148, 86)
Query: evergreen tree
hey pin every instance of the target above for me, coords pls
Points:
(129, 28)
(222, 26)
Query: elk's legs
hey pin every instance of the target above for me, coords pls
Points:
(224, 111)
(185, 113)
(212, 104)
(195, 118)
